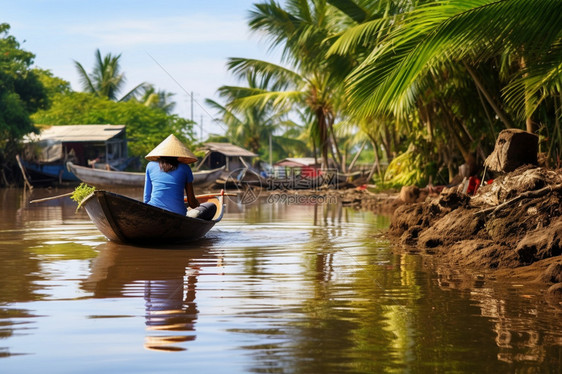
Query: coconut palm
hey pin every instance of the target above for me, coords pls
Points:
(456, 65)
(253, 127)
(149, 96)
(462, 32)
(106, 80)
(303, 30)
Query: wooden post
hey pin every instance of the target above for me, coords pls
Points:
(27, 184)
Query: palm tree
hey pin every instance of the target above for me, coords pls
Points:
(458, 32)
(149, 96)
(106, 80)
(303, 29)
(449, 63)
(252, 127)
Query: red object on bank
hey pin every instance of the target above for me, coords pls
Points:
(473, 184)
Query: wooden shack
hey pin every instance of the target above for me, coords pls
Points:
(293, 166)
(102, 146)
(230, 156)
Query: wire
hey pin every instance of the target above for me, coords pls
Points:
(190, 94)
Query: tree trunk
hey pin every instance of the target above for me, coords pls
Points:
(387, 144)
(338, 159)
(324, 140)
(315, 151)
(529, 124)
(357, 156)
(376, 164)
(502, 116)
(455, 135)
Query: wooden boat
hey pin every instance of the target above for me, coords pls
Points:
(127, 220)
(49, 172)
(108, 178)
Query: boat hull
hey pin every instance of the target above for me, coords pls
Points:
(107, 179)
(125, 220)
(56, 172)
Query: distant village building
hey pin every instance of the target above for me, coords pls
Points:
(84, 142)
(103, 146)
(225, 154)
(293, 166)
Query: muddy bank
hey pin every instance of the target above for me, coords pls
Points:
(513, 225)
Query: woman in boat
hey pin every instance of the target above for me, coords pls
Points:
(168, 175)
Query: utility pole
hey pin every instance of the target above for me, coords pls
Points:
(201, 129)
(191, 106)
(270, 152)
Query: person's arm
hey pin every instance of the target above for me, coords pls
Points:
(191, 199)
(147, 187)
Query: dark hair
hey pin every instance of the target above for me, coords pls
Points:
(168, 164)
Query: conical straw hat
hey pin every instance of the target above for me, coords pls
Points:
(172, 147)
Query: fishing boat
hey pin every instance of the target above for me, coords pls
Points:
(125, 220)
(109, 178)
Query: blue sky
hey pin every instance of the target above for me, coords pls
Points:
(178, 46)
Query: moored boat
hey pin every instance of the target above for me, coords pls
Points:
(108, 178)
(127, 220)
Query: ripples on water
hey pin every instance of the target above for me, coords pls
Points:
(272, 288)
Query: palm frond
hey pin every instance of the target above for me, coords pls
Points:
(280, 76)
(85, 80)
(280, 100)
(133, 92)
(352, 9)
(359, 35)
(451, 30)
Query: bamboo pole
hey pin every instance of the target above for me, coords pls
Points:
(209, 195)
(51, 198)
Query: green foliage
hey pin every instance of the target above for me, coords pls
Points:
(53, 85)
(81, 192)
(21, 94)
(417, 165)
(146, 127)
(312, 81)
(405, 170)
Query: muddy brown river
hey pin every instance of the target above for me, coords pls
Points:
(275, 287)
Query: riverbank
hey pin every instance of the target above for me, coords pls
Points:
(513, 225)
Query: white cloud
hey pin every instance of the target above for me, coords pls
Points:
(195, 28)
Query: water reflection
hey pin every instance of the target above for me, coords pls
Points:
(274, 288)
(168, 278)
(518, 314)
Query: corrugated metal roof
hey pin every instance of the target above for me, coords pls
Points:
(228, 149)
(297, 162)
(78, 133)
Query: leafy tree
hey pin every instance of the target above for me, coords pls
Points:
(146, 127)
(53, 85)
(21, 94)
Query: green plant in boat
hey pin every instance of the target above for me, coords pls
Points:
(81, 192)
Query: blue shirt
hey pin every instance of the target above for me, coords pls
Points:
(166, 190)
